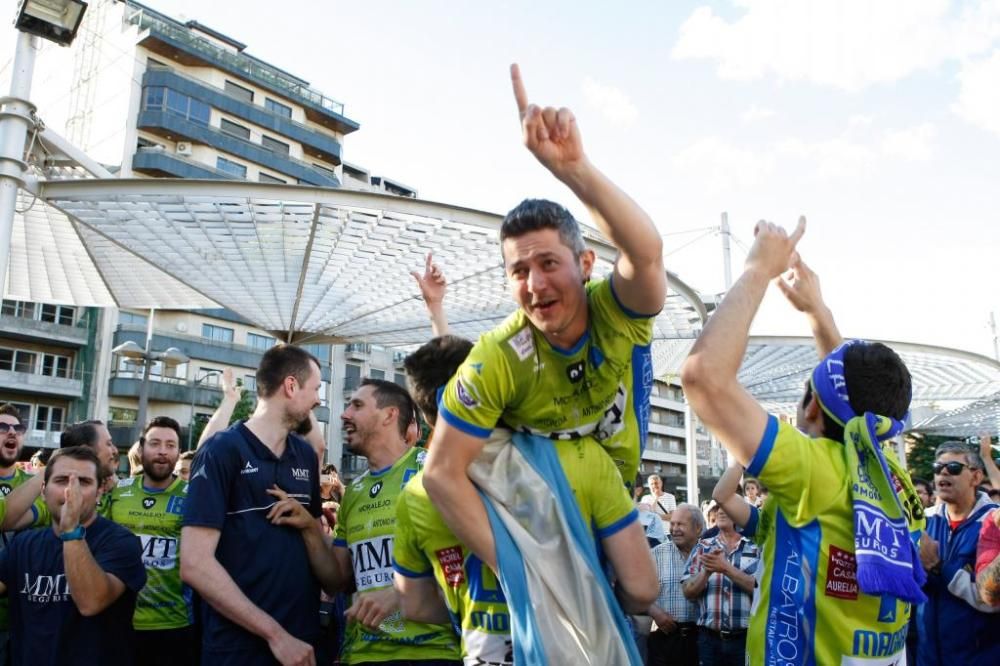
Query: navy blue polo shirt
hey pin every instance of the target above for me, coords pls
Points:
(47, 626)
(227, 491)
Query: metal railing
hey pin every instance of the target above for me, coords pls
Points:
(251, 67)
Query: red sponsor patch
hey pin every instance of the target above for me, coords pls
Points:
(841, 574)
(452, 563)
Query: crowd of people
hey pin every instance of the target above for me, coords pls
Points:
(517, 533)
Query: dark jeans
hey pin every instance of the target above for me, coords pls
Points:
(716, 650)
(679, 648)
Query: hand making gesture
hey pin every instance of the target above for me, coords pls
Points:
(773, 250)
(550, 134)
(72, 510)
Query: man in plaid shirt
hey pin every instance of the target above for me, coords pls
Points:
(720, 577)
(674, 638)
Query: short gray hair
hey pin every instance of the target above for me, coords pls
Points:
(972, 458)
(697, 519)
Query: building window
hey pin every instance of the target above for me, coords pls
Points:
(375, 373)
(122, 415)
(216, 333)
(22, 309)
(326, 170)
(157, 98)
(239, 92)
(321, 352)
(399, 378)
(278, 108)
(132, 319)
(265, 178)
(55, 366)
(250, 383)
(48, 419)
(208, 376)
(230, 167)
(58, 314)
(259, 342)
(274, 145)
(237, 130)
(17, 360)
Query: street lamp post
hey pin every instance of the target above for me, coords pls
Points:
(194, 390)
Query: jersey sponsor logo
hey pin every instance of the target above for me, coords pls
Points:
(124, 483)
(158, 552)
(452, 564)
(464, 396)
(44, 589)
(5, 489)
(148, 502)
(372, 561)
(199, 473)
(421, 457)
(575, 371)
(249, 469)
(613, 420)
(478, 367)
(523, 343)
(175, 504)
(841, 574)
(300, 473)
(375, 489)
(879, 643)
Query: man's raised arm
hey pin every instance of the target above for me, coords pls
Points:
(554, 139)
(801, 289)
(709, 373)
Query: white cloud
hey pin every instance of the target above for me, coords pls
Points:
(612, 102)
(847, 44)
(912, 144)
(979, 95)
(720, 166)
(756, 113)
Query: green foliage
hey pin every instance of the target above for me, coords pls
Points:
(921, 456)
(244, 408)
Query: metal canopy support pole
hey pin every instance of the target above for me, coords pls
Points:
(691, 452)
(15, 122)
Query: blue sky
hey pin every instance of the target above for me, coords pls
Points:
(879, 121)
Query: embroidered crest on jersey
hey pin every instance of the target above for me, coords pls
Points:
(5, 489)
(148, 502)
(575, 371)
(464, 396)
(523, 343)
(375, 489)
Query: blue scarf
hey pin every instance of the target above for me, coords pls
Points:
(887, 556)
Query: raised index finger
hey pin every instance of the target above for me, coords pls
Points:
(520, 94)
(800, 229)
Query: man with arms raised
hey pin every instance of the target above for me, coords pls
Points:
(840, 564)
(150, 505)
(261, 600)
(72, 586)
(375, 424)
(573, 361)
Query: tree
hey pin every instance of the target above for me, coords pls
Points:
(920, 455)
(244, 408)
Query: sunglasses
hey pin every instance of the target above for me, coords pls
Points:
(7, 427)
(954, 468)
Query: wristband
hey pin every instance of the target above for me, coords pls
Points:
(74, 534)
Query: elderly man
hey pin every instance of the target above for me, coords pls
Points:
(662, 503)
(720, 577)
(955, 626)
(674, 638)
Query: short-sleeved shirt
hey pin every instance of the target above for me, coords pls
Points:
(48, 628)
(154, 515)
(809, 608)
(424, 546)
(598, 388)
(366, 526)
(227, 491)
(724, 605)
(662, 505)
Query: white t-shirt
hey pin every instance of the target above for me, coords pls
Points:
(662, 505)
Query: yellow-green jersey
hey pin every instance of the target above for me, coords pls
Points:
(809, 609)
(599, 388)
(7, 484)
(425, 546)
(154, 515)
(366, 524)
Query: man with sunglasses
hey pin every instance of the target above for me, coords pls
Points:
(955, 626)
(11, 440)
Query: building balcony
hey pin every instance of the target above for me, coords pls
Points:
(33, 330)
(314, 142)
(664, 429)
(657, 455)
(35, 384)
(160, 163)
(42, 439)
(176, 42)
(176, 127)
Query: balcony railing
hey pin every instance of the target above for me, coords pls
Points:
(250, 67)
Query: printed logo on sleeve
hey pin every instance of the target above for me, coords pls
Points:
(464, 396)
(841, 574)
(451, 563)
(522, 343)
